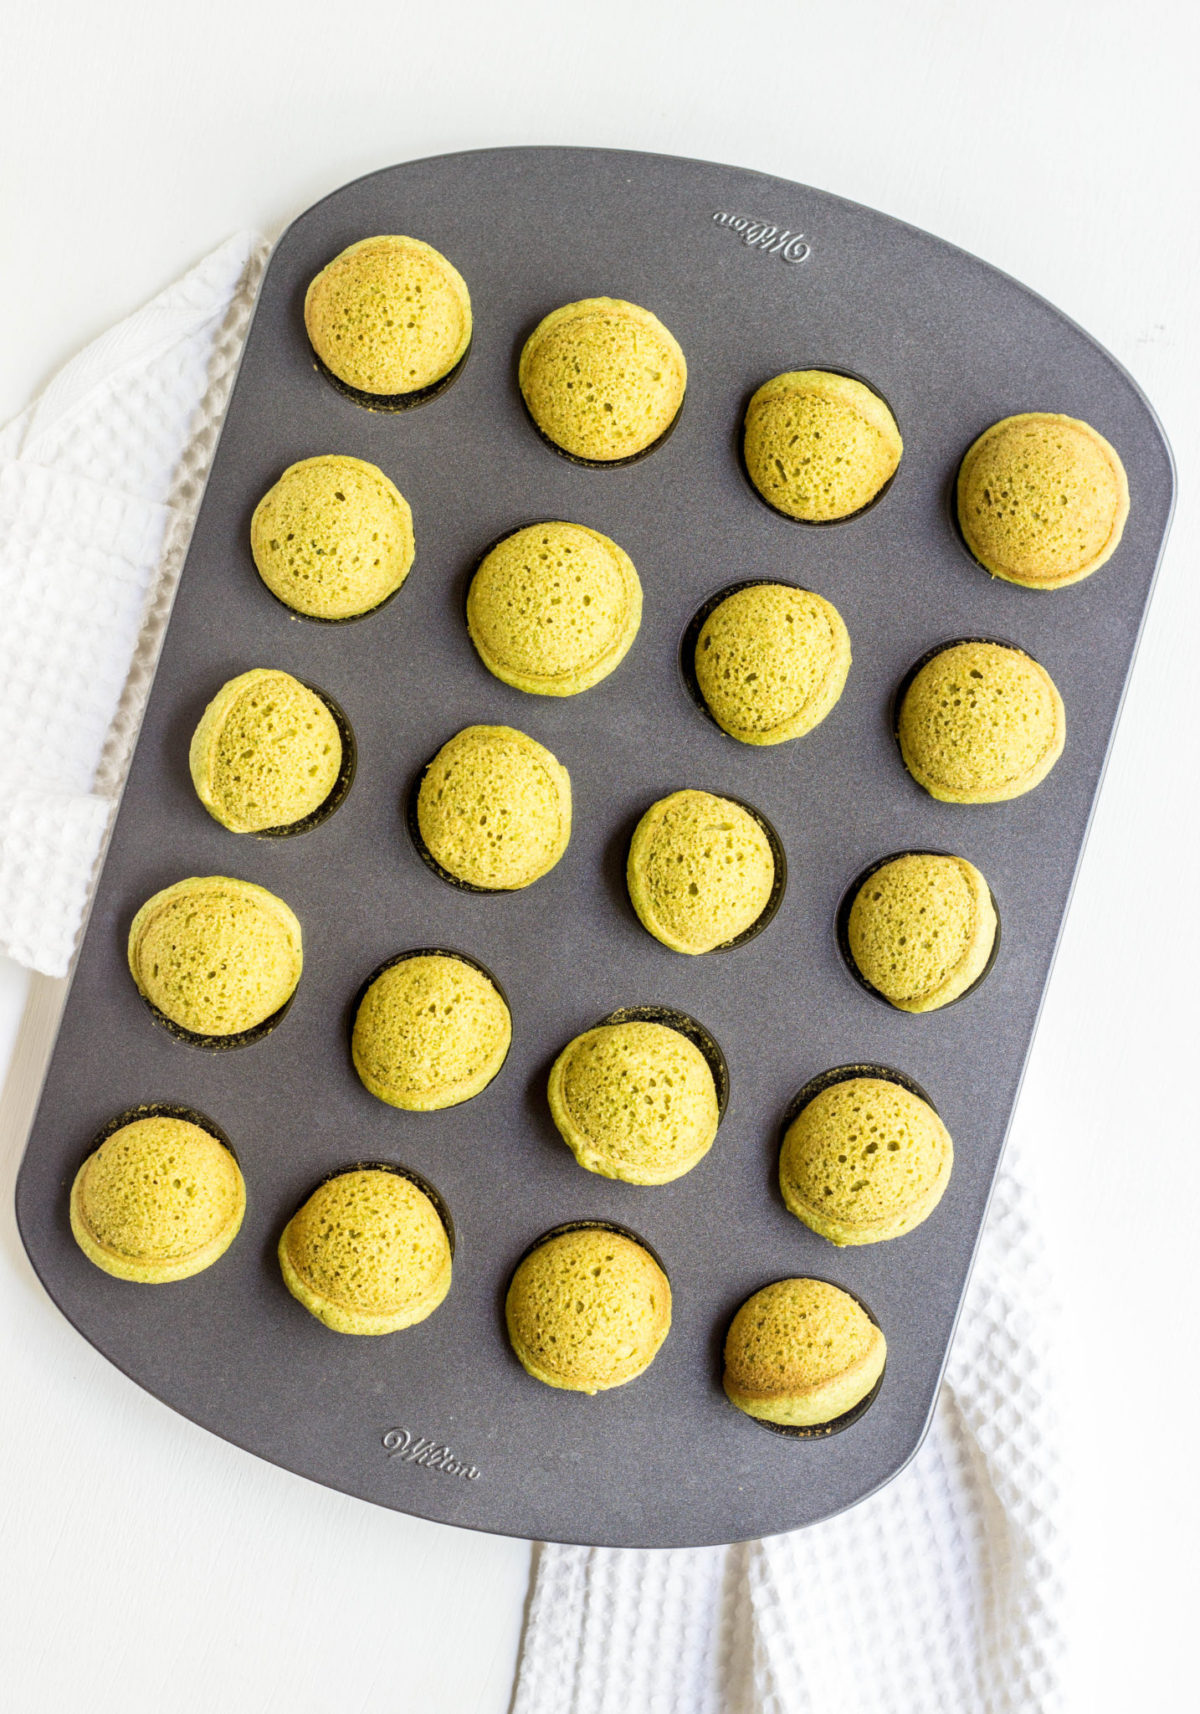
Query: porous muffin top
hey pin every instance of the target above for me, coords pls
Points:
(333, 538)
(981, 723)
(215, 955)
(864, 1160)
(801, 1352)
(921, 929)
(367, 1253)
(700, 871)
(494, 808)
(266, 754)
(588, 1310)
(430, 1031)
(1042, 499)
(819, 446)
(771, 662)
(602, 379)
(634, 1101)
(159, 1200)
(389, 316)
(553, 608)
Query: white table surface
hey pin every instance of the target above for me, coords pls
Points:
(146, 1564)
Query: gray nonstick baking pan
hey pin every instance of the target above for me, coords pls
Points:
(753, 275)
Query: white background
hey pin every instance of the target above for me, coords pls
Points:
(148, 1565)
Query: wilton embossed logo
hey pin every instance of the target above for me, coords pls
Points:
(411, 1449)
(761, 235)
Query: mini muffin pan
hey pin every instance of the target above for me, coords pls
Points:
(441, 1420)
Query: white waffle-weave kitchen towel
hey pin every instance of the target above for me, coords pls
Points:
(99, 484)
(941, 1595)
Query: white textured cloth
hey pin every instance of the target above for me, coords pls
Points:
(99, 484)
(943, 1593)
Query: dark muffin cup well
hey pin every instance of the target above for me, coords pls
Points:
(816, 1430)
(435, 1196)
(340, 789)
(739, 443)
(687, 1026)
(160, 1110)
(841, 926)
(392, 403)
